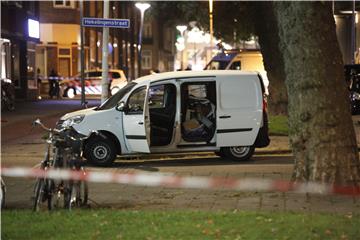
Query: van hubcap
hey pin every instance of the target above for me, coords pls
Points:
(70, 93)
(239, 151)
(100, 152)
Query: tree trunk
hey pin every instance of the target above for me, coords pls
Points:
(267, 31)
(321, 130)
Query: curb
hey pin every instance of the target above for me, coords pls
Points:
(157, 156)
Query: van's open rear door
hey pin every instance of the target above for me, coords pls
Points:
(239, 110)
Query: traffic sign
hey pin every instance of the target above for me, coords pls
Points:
(106, 22)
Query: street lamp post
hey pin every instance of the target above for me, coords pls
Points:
(105, 53)
(182, 29)
(211, 26)
(82, 61)
(142, 7)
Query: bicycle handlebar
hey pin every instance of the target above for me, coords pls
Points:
(57, 131)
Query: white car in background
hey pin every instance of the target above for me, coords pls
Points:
(72, 86)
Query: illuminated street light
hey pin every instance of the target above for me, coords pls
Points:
(181, 45)
(181, 29)
(142, 7)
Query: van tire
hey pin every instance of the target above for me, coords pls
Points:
(100, 151)
(70, 92)
(238, 153)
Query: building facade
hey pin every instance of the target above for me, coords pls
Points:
(19, 36)
(40, 36)
(60, 39)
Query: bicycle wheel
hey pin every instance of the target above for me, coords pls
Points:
(79, 194)
(42, 198)
(68, 185)
(60, 195)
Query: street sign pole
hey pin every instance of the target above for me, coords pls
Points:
(105, 53)
(83, 101)
(105, 23)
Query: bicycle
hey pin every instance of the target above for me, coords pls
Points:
(66, 145)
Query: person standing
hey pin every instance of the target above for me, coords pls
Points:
(54, 88)
(39, 80)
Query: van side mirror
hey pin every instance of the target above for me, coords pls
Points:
(121, 106)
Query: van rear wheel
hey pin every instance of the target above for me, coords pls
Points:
(100, 151)
(239, 153)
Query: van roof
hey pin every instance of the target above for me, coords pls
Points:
(187, 74)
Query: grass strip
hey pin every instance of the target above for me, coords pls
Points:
(125, 224)
(278, 125)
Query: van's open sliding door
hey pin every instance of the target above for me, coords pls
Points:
(239, 110)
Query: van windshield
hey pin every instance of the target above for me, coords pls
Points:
(114, 99)
(217, 65)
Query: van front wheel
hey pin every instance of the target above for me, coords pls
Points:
(239, 153)
(100, 151)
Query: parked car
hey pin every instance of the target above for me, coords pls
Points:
(7, 95)
(72, 86)
(220, 111)
(352, 77)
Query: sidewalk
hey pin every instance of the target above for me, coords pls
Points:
(30, 110)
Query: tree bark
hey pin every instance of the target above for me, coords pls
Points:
(321, 130)
(267, 31)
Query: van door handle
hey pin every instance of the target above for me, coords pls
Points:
(140, 123)
(225, 116)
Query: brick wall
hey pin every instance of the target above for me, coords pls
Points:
(49, 14)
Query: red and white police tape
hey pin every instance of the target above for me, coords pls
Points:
(171, 181)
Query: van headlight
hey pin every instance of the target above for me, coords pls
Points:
(355, 96)
(73, 120)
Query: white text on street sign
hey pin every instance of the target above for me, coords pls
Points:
(106, 22)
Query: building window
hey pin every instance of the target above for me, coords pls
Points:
(32, 84)
(64, 4)
(64, 51)
(5, 58)
(15, 64)
(146, 60)
(147, 30)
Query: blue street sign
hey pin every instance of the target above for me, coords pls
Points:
(106, 22)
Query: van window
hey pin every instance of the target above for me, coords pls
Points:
(198, 91)
(235, 65)
(217, 65)
(94, 74)
(156, 97)
(115, 75)
(136, 101)
(114, 99)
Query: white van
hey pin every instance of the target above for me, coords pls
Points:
(220, 111)
(245, 60)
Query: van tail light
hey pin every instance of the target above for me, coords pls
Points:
(264, 104)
